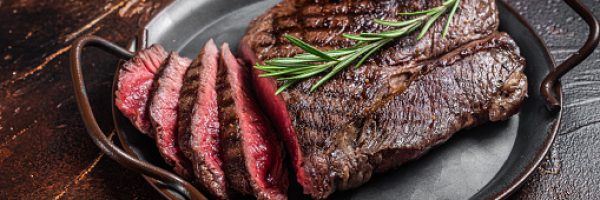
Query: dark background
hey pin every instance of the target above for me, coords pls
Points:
(46, 154)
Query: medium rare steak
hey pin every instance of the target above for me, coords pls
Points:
(163, 112)
(408, 97)
(199, 121)
(135, 82)
(253, 156)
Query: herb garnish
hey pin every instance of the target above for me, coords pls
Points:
(314, 62)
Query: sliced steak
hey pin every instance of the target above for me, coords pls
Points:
(252, 154)
(199, 121)
(135, 82)
(328, 132)
(163, 112)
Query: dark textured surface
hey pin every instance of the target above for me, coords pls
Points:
(45, 152)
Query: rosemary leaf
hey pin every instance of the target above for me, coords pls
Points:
(290, 62)
(361, 38)
(397, 24)
(297, 60)
(450, 17)
(287, 71)
(428, 25)
(366, 56)
(393, 33)
(309, 49)
(340, 66)
(333, 53)
(286, 85)
(304, 75)
(268, 68)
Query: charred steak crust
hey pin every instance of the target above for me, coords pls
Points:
(232, 153)
(163, 112)
(328, 132)
(193, 83)
(252, 154)
(204, 135)
(481, 81)
(187, 98)
(136, 77)
(455, 92)
(199, 122)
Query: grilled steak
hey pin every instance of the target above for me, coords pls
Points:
(199, 122)
(135, 82)
(252, 154)
(410, 96)
(163, 112)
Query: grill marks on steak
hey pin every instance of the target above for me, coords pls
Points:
(319, 127)
(481, 81)
(322, 23)
(462, 89)
(163, 112)
(136, 77)
(199, 122)
(353, 92)
(253, 156)
(457, 91)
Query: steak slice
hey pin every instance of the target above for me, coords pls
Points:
(163, 112)
(134, 86)
(199, 121)
(354, 93)
(252, 154)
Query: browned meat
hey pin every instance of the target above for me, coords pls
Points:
(163, 112)
(135, 82)
(199, 122)
(253, 156)
(410, 96)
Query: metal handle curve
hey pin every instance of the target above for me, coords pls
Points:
(551, 80)
(96, 133)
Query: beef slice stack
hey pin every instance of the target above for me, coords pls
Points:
(408, 97)
(205, 121)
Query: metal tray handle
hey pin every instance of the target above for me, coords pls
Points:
(550, 82)
(96, 133)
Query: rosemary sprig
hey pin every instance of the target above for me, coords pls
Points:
(315, 62)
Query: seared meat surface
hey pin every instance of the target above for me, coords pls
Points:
(163, 112)
(252, 153)
(199, 121)
(136, 77)
(408, 97)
